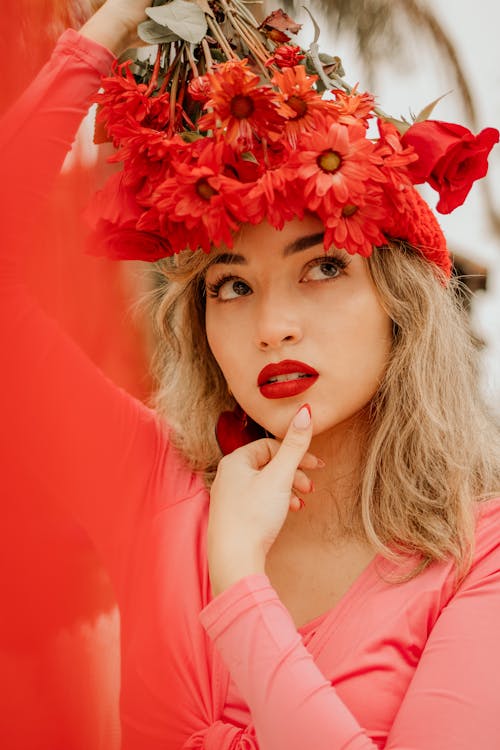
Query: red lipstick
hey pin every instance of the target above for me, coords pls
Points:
(286, 379)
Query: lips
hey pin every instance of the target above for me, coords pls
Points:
(286, 379)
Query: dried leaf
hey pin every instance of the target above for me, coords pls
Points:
(205, 7)
(332, 65)
(427, 111)
(280, 21)
(184, 18)
(400, 125)
(152, 33)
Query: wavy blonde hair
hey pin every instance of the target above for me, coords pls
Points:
(432, 451)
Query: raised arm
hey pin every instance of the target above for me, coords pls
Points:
(83, 440)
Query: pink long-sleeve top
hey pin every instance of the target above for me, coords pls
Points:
(408, 666)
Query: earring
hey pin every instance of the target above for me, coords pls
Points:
(235, 428)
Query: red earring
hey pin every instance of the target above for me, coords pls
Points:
(235, 428)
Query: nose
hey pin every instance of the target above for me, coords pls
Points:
(278, 322)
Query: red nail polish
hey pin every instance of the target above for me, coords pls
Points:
(302, 503)
(307, 406)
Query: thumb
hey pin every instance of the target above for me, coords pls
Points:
(294, 445)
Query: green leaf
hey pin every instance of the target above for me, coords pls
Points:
(205, 7)
(248, 156)
(186, 19)
(427, 111)
(152, 33)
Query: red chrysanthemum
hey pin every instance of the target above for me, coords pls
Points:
(201, 198)
(334, 165)
(300, 103)
(124, 98)
(271, 197)
(355, 227)
(395, 157)
(353, 107)
(240, 109)
(286, 56)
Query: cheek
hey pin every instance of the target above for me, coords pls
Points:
(224, 342)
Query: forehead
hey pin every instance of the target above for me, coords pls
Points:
(254, 242)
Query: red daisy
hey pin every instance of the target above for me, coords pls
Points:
(356, 226)
(124, 98)
(300, 103)
(272, 197)
(200, 197)
(239, 107)
(395, 157)
(353, 107)
(335, 164)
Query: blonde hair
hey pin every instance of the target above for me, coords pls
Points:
(432, 451)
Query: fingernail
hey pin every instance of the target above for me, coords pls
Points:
(301, 502)
(302, 419)
(321, 463)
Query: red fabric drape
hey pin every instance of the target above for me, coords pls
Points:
(54, 589)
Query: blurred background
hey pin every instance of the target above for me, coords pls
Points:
(59, 627)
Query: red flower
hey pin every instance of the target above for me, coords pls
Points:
(113, 215)
(241, 108)
(300, 103)
(201, 198)
(123, 99)
(353, 107)
(272, 198)
(335, 165)
(128, 244)
(450, 159)
(199, 88)
(356, 226)
(395, 157)
(286, 56)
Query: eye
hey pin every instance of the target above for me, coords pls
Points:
(323, 268)
(227, 288)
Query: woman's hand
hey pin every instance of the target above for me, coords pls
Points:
(114, 25)
(251, 495)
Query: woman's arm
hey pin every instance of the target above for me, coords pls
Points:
(81, 439)
(451, 703)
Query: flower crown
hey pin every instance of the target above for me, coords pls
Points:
(234, 124)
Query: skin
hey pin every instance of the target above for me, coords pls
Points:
(114, 25)
(323, 311)
(335, 324)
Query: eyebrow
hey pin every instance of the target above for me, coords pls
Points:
(297, 246)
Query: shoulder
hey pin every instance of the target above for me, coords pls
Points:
(487, 537)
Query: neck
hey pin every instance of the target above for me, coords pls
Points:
(325, 519)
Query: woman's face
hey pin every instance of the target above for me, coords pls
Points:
(289, 324)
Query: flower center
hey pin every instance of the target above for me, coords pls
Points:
(204, 189)
(329, 161)
(349, 209)
(242, 106)
(298, 105)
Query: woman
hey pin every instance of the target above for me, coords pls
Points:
(368, 616)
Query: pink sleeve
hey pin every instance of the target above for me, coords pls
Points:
(292, 705)
(82, 440)
(451, 704)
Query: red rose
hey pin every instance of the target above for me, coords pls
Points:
(125, 243)
(113, 215)
(286, 56)
(450, 159)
